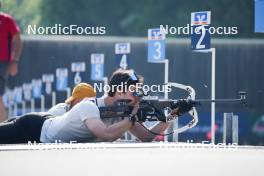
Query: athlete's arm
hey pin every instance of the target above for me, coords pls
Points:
(17, 46)
(58, 109)
(144, 135)
(16, 52)
(108, 133)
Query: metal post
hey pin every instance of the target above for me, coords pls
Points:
(53, 98)
(105, 79)
(213, 97)
(166, 80)
(166, 76)
(166, 96)
(15, 110)
(227, 128)
(32, 105)
(23, 107)
(235, 129)
(42, 103)
(9, 110)
(126, 136)
(68, 92)
(175, 126)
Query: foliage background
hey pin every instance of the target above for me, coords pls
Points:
(132, 18)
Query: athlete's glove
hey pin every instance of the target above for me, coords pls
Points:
(181, 107)
(133, 117)
(137, 118)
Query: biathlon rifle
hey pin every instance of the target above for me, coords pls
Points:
(165, 110)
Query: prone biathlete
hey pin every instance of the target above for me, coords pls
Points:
(83, 123)
(28, 127)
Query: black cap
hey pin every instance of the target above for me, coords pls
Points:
(123, 78)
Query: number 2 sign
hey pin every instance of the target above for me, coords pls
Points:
(200, 38)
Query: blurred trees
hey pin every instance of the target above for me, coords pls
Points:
(25, 11)
(132, 18)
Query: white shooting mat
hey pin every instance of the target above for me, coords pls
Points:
(112, 159)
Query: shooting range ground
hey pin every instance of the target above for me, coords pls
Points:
(114, 159)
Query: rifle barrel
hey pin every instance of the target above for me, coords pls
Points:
(218, 100)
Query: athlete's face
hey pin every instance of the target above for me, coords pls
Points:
(129, 96)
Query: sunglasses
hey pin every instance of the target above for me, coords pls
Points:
(133, 76)
(140, 93)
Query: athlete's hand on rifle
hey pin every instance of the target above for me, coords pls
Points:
(133, 116)
(181, 107)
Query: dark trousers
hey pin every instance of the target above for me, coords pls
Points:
(23, 129)
(3, 76)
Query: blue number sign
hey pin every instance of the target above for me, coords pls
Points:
(97, 71)
(122, 51)
(61, 79)
(156, 45)
(200, 38)
(78, 67)
(18, 95)
(259, 14)
(48, 80)
(36, 88)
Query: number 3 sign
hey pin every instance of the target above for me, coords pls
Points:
(156, 45)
